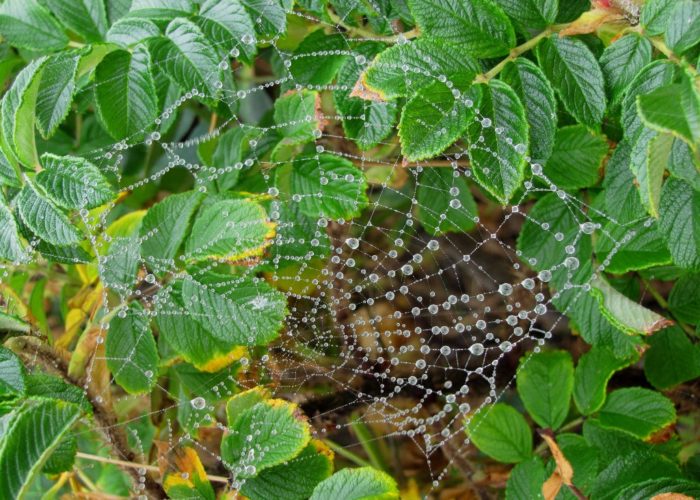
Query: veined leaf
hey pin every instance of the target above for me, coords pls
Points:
(34, 430)
(228, 25)
(577, 158)
(531, 14)
(258, 309)
(537, 96)
(165, 227)
(163, 10)
(295, 479)
(638, 411)
(624, 313)
(125, 93)
(545, 382)
(276, 428)
(44, 218)
(73, 182)
(11, 247)
(435, 118)
(650, 158)
(576, 76)
(479, 27)
(443, 191)
(683, 26)
(636, 249)
(501, 432)
(12, 374)
(316, 59)
(684, 299)
(651, 77)
(357, 484)
(270, 17)
(594, 370)
(621, 62)
(131, 352)
(296, 114)
(655, 14)
(526, 480)
(672, 342)
(679, 222)
(674, 109)
(184, 475)
(88, 18)
(27, 24)
(499, 165)
(129, 31)
(188, 58)
(56, 91)
(405, 68)
(229, 229)
(328, 186)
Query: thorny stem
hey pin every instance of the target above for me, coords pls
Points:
(364, 33)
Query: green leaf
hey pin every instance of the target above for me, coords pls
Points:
(328, 186)
(637, 411)
(577, 158)
(545, 381)
(674, 109)
(445, 192)
(629, 469)
(576, 76)
(267, 434)
(624, 313)
(594, 370)
(478, 27)
(654, 488)
(498, 165)
(258, 309)
(12, 374)
(367, 122)
(73, 182)
(650, 158)
(44, 218)
(364, 483)
(129, 31)
(294, 480)
(651, 77)
(297, 116)
(679, 222)
(531, 14)
(228, 25)
(48, 386)
(683, 28)
(188, 58)
(433, 119)
(164, 10)
(501, 432)
(403, 69)
(231, 230)
(629, 249)
(684, 299)
(11, 247)
(582, 457)
(27, 24)
(671, 343)
(621, 62)
(270, 17)
(317, 59)
(526, 480)
(131, 352)
(537, 96)
(184, 476)
(655, 14)
(34, 430)
(56, 91)
(125, 93)
(165, 227)
(87, 18)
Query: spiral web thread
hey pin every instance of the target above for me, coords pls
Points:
(419, 324)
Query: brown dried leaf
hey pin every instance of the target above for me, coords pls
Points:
(562, 475)
(363, 91)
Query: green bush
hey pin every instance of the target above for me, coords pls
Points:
(216, 218)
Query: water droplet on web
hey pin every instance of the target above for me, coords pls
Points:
(505, 289)
(198, 403)
(588, 227)
(407, 269)
(476, 349)
(353, 243)
(571, 263)
(433, 245)
(150, 279)
(544, 276)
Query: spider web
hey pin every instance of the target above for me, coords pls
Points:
(394, 327)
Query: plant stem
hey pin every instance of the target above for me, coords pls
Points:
(515, 53)
(664, 303)
(365, 33)
(347, 454)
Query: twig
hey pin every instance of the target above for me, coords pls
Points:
(135, 465)
(356, 459)
(364, 33)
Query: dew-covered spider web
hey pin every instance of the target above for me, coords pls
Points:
(408, 317)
